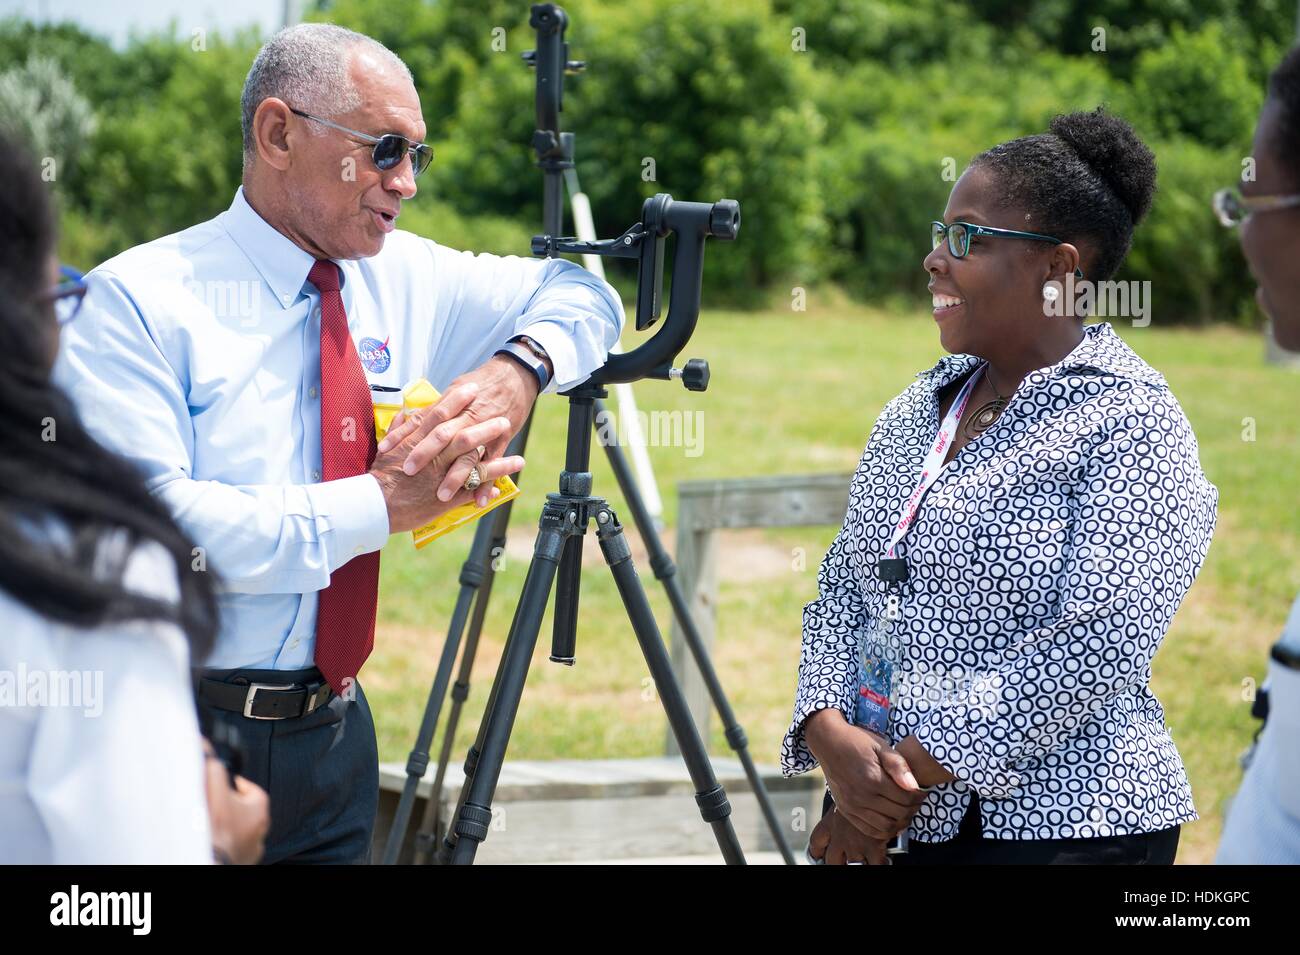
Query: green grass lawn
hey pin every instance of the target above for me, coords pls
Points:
(796, 393)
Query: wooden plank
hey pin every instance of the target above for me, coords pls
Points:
(704, 507)
(797, 501)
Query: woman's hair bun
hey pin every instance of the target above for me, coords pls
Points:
(1115, 152)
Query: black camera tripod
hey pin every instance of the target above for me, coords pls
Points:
(644, 241)
(558, 550)
(566, 515)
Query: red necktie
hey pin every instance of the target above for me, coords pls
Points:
(345, 617)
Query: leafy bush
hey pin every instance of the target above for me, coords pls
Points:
(839, 124)
(52, 119)
(1199, 87)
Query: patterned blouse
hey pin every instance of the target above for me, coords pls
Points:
(1046, 563)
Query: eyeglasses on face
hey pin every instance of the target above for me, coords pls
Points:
(959, 235)
(1232, 207)
(388, 148)
(67, 296)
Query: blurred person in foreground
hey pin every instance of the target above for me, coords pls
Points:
(1263, 819)
(233, 363)
(1025, 521)
(100, 611)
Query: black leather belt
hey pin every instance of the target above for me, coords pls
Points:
(265, 701)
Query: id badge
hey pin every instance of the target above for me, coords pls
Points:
(875, 681)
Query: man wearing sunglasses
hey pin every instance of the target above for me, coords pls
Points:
(234, 364)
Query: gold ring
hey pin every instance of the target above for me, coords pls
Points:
(474, 479)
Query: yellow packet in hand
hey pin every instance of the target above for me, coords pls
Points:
(421, 394)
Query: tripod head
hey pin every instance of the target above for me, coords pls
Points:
(693, 222)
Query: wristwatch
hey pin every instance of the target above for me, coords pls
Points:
(529, 354)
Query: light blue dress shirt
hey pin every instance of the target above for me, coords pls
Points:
(197, 356)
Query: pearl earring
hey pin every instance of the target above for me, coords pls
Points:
(1050, 292)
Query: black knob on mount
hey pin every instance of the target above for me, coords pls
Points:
(695, 376)
(724, 219)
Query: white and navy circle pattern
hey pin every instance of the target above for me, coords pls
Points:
(1046, 563)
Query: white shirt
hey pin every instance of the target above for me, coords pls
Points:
(100, 757)
(1046, 563)
(1263, 821)
(197, 356)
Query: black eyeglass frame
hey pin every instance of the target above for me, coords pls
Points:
(940, 232)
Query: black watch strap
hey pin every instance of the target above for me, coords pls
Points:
(529, 359)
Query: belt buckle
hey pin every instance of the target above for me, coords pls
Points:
(252, 693)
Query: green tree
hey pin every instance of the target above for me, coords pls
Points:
(42, 108)
(1198, 86)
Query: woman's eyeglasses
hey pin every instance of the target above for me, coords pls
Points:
(388, 148)
(959, 236)
(1232, 207)
(67, 296)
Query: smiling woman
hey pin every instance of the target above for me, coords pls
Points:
(1024, 522)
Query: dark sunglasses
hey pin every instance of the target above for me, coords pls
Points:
(389, 148)
(67, 296)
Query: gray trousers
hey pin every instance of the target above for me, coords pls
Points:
(321, 772)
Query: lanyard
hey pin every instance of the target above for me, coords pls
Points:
(891, 569)
(934, 463)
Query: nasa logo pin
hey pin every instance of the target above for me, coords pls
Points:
(375, 356)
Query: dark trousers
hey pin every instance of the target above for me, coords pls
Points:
(321, 772)
(969, 847)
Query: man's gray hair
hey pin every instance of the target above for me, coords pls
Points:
(307, 67)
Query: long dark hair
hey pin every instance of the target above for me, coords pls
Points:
(91, 492)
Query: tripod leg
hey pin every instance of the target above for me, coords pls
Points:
(474, 818)
(665, 572)
(426, 839)
(476, 576)
(418, 759)
(448, 845)
(709, 795)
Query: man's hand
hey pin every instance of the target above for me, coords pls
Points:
(499, 388)
(239, 815)
(836, 841)
(872, 785)
(414, 499)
